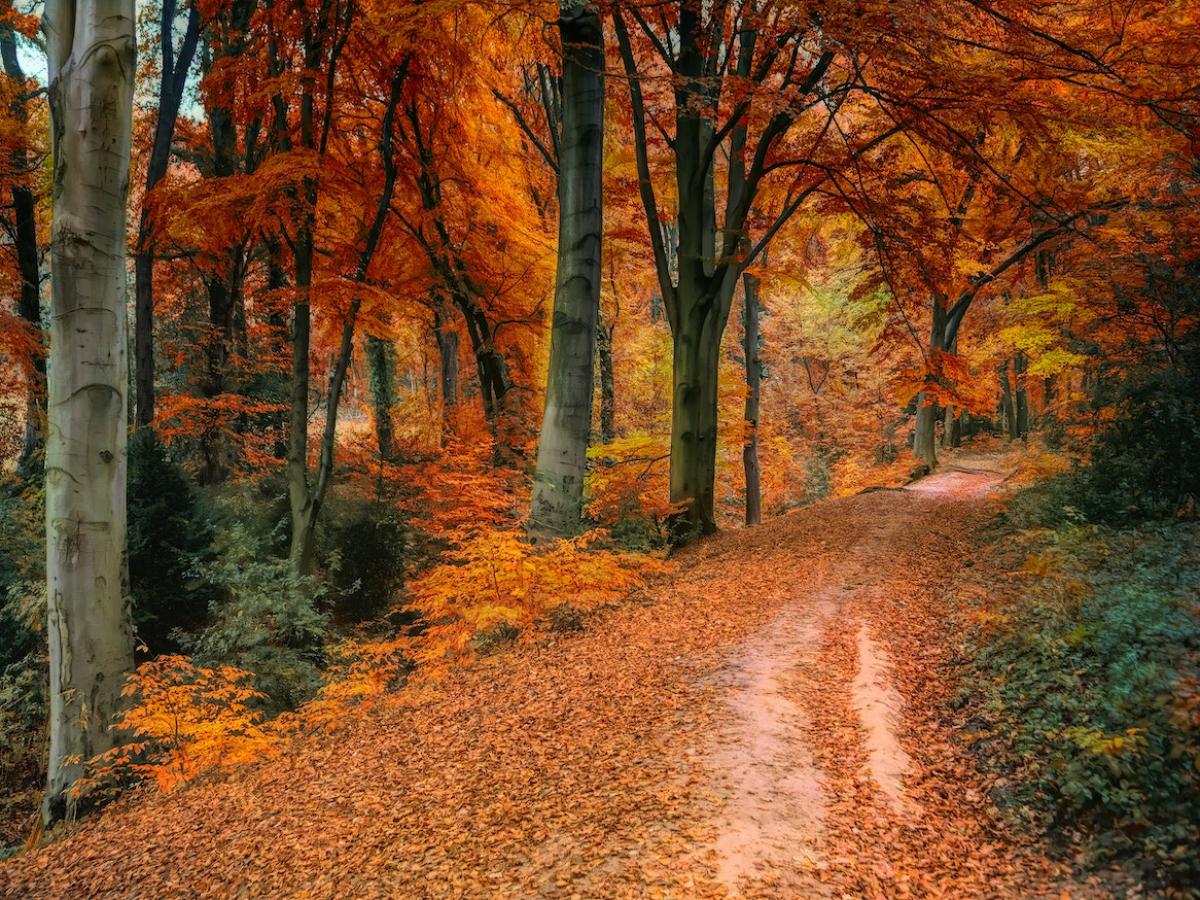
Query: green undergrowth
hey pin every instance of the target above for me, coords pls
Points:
(1081, 683)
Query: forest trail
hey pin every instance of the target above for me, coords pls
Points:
(765, 722)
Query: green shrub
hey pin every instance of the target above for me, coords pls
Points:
(169, 535)
(637, 533)
(362, 544)
(22, 568)
(23, 705)
(1089, 686)
(1144, 465)
(818, 473)
(23, 669)
(264, 620)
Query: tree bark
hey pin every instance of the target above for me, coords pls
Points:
(697, 298)
(952, 428)
(556, 509)
(447, 344)
(1021, 398)
(1007, 403)
(753, 395)
(304, 507)
(694, 425)
(604, 344)
(924, 438)
(91, 53)
(381, 363)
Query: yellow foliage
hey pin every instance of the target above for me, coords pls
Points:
(496, 576)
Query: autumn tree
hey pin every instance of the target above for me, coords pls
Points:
(756, 84)
(20, 225)
(174, 68)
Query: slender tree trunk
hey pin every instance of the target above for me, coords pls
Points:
(604, 342)
(557, 505)
(381, 362)
(952, 429)
(1021, 398)
(306, 500)
(925, 437)
(447, 344)
(219, 338)
(91, 54)
(753, 395)
(299, 497)
(29, 307)
(1007, 403)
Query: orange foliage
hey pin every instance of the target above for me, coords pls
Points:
(184, 720)
(494, 577)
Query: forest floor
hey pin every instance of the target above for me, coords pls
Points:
(771, 720)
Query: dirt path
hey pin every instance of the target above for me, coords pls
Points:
(767, 723)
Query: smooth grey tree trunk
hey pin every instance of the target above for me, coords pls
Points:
(91, 53)
(952, 429)
(952, 417)
(557, 506)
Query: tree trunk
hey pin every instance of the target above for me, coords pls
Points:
(305, 500)
(447, 344)
(299, 498)
(697, 346)
(1007, 403)
(951, 425)
(303, 506)
(91, 54)
(29, 307)
(1021, 398)
(222, 306)
(556, 509)
(925, 437)
(952, 429)
(604, 339)
(753, 395)
(381, 362)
